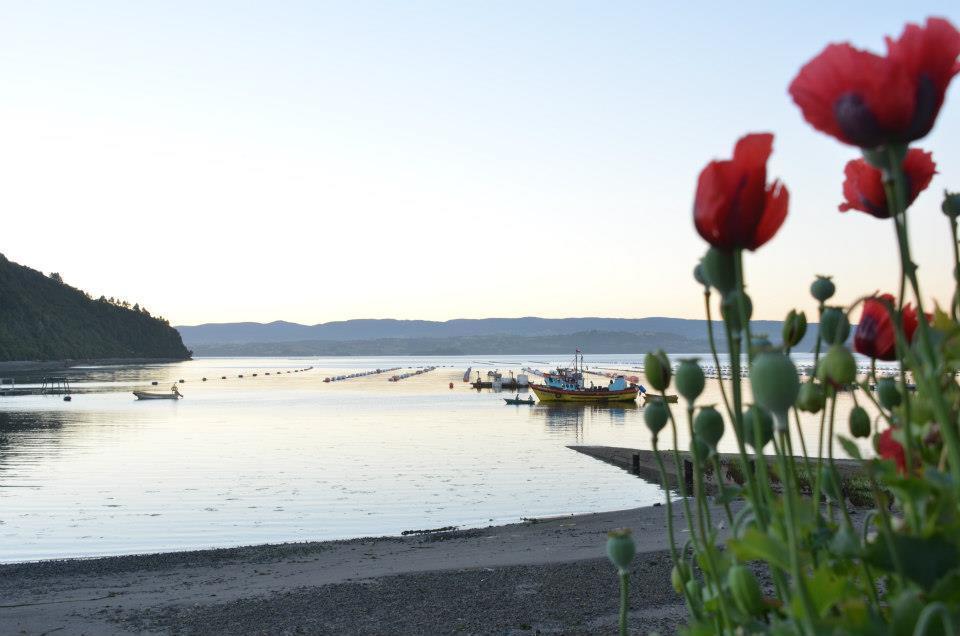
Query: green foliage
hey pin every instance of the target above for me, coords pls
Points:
(41, 318)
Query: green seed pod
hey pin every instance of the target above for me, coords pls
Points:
(794, 328)
(745, 590)
(837, 367)
(656, 415)
(823, 288)
(811, 398)
(719, 269)
(834, 326)
(905, 611)
(766, 427)
(708, 426)
(859, 422)
(679, 576)
(656, 367)
(775, 382)
(699, 276)
(730, 309)
(621, 549)
(690, 379)
(888, 393)
(951, 204)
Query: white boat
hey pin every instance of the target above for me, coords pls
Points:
(156, 395)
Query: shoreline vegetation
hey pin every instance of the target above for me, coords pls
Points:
(546, 574)
(44, 319)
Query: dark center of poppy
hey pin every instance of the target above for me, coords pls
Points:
(924, 110)
(879, 211)
(857, 121)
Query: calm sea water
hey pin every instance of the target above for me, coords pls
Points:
(287, 457)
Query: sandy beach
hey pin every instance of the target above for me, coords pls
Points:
(544, 575)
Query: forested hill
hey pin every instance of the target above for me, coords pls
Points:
(41, 318)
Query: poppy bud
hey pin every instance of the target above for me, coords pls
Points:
(719, 269)
(656, 367)
(745, 590)
(679, 576)
(859, 422)
(698, 275)
(888, 393)
(838, 366)
(775, 382)
(794, 328)
(708, 426)
(834, 326)
(730, 309)
(620, 549)
(811, 397)
(690, 379)
(750, 417)
(656, 415)
(951, 204)
(823, 288)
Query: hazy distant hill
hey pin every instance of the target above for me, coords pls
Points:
(590, 341)
(466, 336)
(280, 331)
(41, 318)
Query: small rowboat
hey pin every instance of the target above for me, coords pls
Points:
(155, 395)
(529, 400)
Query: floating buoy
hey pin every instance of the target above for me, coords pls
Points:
(67, 398)
(222, 377)
(154, 383)
(240, 376)
(181, 380)
(204, 379)
(451, 385)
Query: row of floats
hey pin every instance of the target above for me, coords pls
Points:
(358, 374)
(240, 375)
(404, 376)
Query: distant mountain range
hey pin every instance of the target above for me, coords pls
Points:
(462, 336)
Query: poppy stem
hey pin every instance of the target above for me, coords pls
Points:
(928, 372)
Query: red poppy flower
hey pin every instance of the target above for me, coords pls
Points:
(863, 187)
(734, 206)
(875, 335)
(889, 448)
(867, 100)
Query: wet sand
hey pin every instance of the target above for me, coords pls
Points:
(546, 575)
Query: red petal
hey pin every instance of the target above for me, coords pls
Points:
(919, 168)
(774, 214)
(863, 189)
(842, 72)
(929, 50)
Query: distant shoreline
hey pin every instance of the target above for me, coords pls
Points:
(21, 366)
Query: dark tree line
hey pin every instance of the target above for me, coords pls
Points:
(42, 318)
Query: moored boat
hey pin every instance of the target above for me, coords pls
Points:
(172, 394)
(566, 385)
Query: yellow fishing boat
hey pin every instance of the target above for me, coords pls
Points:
(566, 385)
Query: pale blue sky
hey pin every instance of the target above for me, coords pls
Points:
(222, 161)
